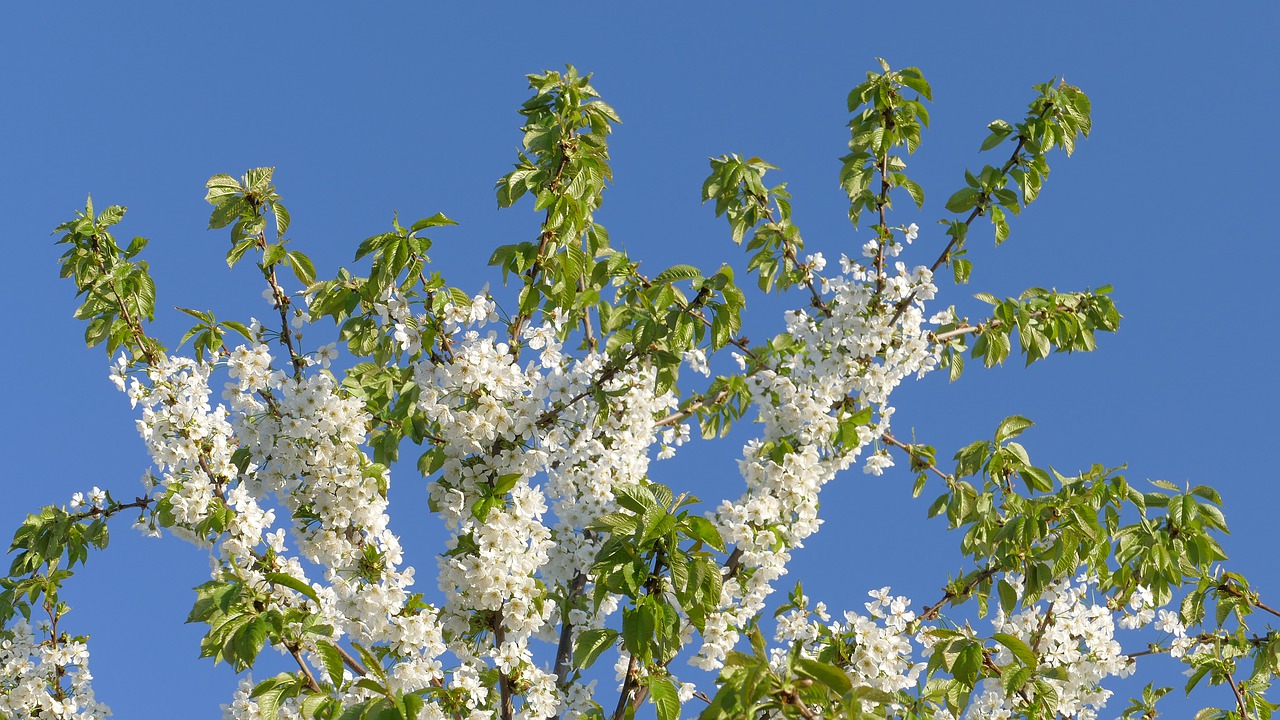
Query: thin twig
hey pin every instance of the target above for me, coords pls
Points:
(350, 662)
(916, 457)
(1244, 715)
(311, 680)
(951, 245)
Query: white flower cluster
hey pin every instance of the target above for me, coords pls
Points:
(304, 438)
(877, 645)
(882, 651)
(1141, 611)
(97, 499)
(189, 441)
(501, 422)
(855, 352)
(1068, 633)
(487, 408)
(26, 667)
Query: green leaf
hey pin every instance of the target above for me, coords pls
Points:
(436, 220)
(964, 199)
(700, 528)
(1011, 427)
(302, 267)
(237, 251)
(968, 664)
(293, 583)
(258, 179)
(135, 246)
(267, 695)
(220, 186)
(829, 675)
(273, 254)
(912, 78)
(249, 641)
(916, 192)
(227, 212)
(1020, 649)
(282, 219)
(238, 327)
(590, 644)
(1008, 597)
(332, 659)
(1036, 479)
(665, 696)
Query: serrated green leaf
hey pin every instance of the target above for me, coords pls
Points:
(302, 267)
(1020, 649)
(590, 644)
(1011, 427)
(293, 583)
(332, 660)
(665, 697)
(829, 675)
(282, 219)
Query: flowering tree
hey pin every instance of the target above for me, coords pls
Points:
(537, 426)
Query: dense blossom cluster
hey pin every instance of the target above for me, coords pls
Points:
(854, 351)
(26, 667)
(303, 437)
(878, 645)
(505, 423)
(1067, 632)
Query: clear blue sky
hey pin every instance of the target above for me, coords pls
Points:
(370, 108)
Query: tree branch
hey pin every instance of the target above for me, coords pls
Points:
(917, 458)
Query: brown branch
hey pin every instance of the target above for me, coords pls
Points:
(1259, 604)
(564, 650)
(881, 203)
(964, 330)
(504, 680)
(1244, 715)
(916, 457)
(1255, 641)
(1249, 597)
(628, 684)
(1044, 625)
(931, 611)
(535, 270)
(97, 512)
(282, 303)
(903, 304)
(349, 661)
(692, 408)
(59, 670)
(793, 699)
(311, 680)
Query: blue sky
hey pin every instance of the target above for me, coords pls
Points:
(370, 109)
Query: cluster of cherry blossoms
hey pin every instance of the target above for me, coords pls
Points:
(26, 666)
(303, 439)
(878, 645)
(1067, 633)
(502, 424)
(860, 349)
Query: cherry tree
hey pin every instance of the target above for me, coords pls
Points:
(541, 422)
